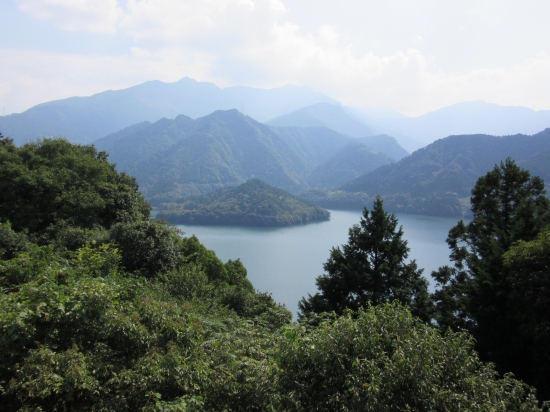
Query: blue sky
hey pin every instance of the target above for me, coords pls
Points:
(410, 56)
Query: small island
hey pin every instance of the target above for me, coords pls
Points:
(253, 203)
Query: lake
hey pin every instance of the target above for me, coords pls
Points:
(285, 261)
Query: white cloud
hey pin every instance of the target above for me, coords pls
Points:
(89, 15)
(32, 77)
(249, 42)
(180, 20)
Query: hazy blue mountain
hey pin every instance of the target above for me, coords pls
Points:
(386, 145)
(349, 163)
(253, 203)
(86, 119)
(342, 120)
(384, 121)
(445, 171)
(464, 118)
(324, 114)
(172, 159)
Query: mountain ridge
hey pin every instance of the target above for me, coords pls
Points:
(86, 119)
(172, 159)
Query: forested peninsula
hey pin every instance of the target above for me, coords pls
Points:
(104, 308)
(253, 203)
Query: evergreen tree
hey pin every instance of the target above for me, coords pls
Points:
(528, 265)
(370, 268)
(508, 206)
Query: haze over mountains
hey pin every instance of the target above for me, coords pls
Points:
(337, 118)
(324, 115)
(475, 117)
(86, 119)
(175, 158)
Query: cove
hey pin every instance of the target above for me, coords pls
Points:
(285, 261)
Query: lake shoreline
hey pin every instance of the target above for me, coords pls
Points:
(285, 261)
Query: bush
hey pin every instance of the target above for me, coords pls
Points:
(386, 360)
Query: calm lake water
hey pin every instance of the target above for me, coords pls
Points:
(285, 261)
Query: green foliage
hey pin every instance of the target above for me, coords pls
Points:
(478, 293)
(195, 252)
(370, 269)
(253, 203)
(138, 318)
(148, 246)
(384, 359)
(77, 333)
(51, 181)
(11, 242)
(528, 267)
(236, 275)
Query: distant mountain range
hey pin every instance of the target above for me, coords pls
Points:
(342, 120)
(438, 179)
(475, 117)
(253, 203)
(324, 115)
(86, 119)
(172, 159)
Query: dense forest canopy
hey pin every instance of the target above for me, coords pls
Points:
(111, 310)
(253, 203)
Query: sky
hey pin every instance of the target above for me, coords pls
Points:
(409, 56)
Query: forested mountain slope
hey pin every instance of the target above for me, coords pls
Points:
(86, 119)
(538, 165)
(172, 159)
(347, 164)
(449, 165)
(385, 144)
(434, 178)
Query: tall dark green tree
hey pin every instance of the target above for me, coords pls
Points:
(528, 266)
(508, 206)
(370, 268)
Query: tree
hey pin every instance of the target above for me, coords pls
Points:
(528, 266)
(370, 268)
(508, 206)
(50, 184)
